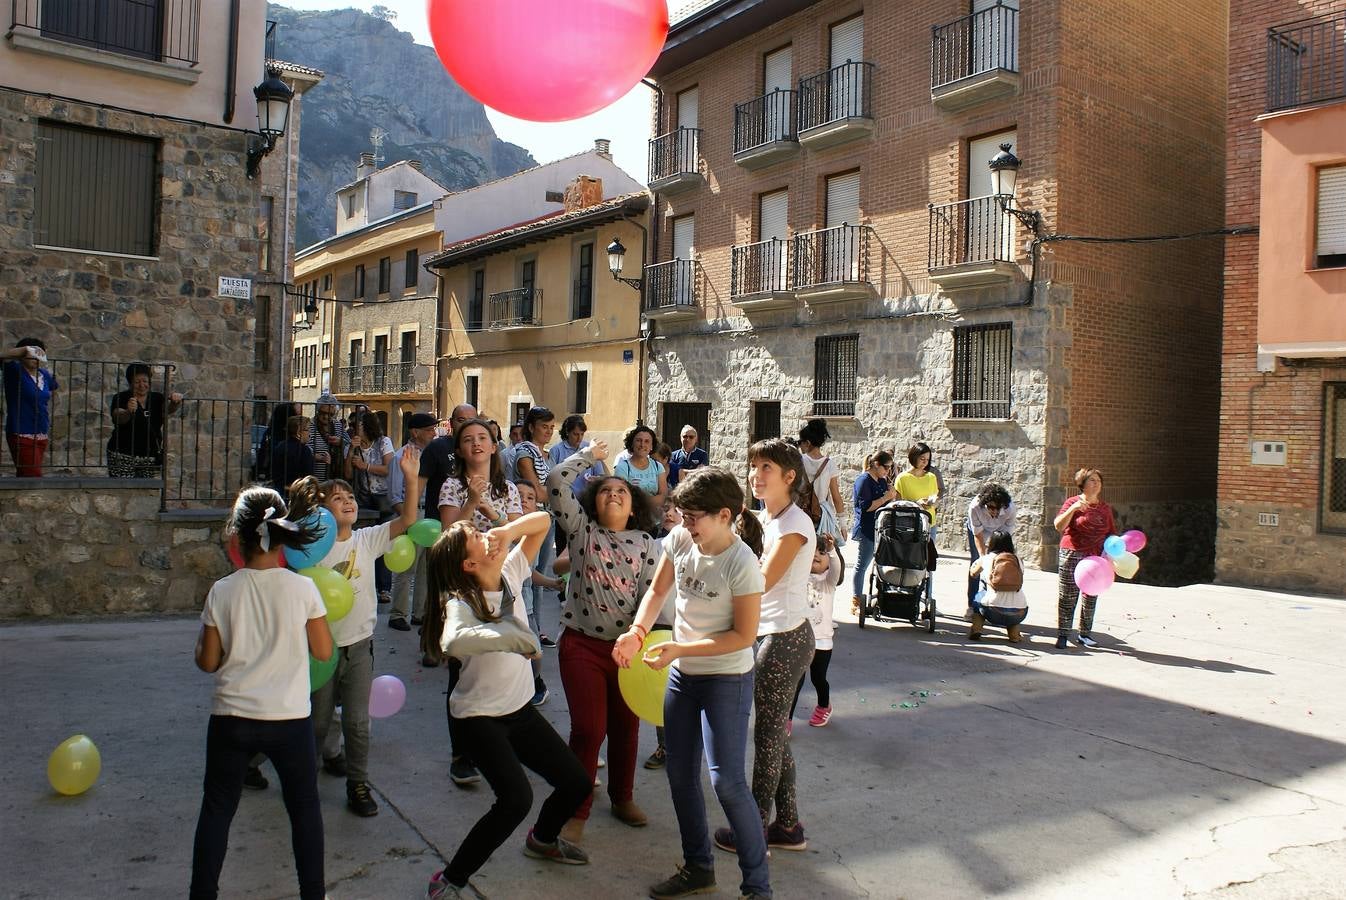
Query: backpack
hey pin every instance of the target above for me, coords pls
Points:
(1007, 573)
(808, 497)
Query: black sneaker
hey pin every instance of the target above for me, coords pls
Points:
(1061, 642)
(540, 692)
(359, 800)
(398, 624)
(685, 882)
(254, 779)
(657, 758)
(335, 765)
(545, 641)
(416, 620)
(463, 772)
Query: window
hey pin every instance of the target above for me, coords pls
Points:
(527, 283)
(348, 204)
(95, 190)
(265, 211)
(1333, 513)
(404, 199)
(327, 283)
(582, 306)
(294, 366)
(476, 304)
(133, 28)
(385, 275)
(1331, 251)
(471, 390)
(765, 420)
(836, 359)
(413, 265)
(357, 352)
(579, 391)
(359, 281)
(407, 361)
(981, 371)
(326, 350)
(261, 342)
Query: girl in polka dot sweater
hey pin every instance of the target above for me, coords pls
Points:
(612, 556)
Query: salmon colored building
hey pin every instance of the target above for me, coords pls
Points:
(1282, 487)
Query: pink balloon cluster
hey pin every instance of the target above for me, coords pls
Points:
(1095, 574)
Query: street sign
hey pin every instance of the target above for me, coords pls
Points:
(235, 288)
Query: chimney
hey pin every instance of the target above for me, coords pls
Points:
(415, 164)
(365, 166)
(583, 192)
(603, 147)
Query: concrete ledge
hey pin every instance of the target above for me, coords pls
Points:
(66, 50)
(92, 483)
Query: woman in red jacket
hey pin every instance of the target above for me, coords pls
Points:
(1084, 522)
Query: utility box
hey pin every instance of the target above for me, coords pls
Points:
(1268, 453)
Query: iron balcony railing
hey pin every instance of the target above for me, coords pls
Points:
(160, 30)
(271, 28)
(977, 230)
(379, 378)
(767, 119)
(760, 268)
(835, 255)
(671, 285)
(840, 93)
(1306, 62)
(982, 42)
(674, 154)
(512, 309)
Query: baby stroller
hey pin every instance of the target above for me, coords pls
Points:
(897, 580)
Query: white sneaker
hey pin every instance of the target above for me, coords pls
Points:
(1085, 641)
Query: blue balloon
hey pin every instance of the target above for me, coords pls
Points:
(325, 525)
(1114, 547)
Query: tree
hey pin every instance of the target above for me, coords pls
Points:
(379, 11)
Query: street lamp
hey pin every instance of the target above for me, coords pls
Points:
(273, 113)
(1004, 168)
(310, 315)
(616, 259)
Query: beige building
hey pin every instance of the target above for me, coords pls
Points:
(532, 316)
(373, 339)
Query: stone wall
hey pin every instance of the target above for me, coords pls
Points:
(164, 308)
(101, 547)
(1289, 556)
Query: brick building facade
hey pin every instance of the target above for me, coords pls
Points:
(886, 290)
(1282, 475)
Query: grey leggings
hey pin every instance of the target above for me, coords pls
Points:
(1068, 594)
(782, 659)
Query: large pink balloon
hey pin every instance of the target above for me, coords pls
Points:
(547, 60)
(1094, 575)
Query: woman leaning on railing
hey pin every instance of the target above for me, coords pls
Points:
(136, 448)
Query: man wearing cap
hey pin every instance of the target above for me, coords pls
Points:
(327, 438)
(421, 427)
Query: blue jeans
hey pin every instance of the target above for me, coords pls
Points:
(1000, 615)
(710, 713)
(864, 556)
(973, 581)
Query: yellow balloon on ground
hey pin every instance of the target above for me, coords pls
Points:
(337, 595)
(1126, 565)
(401, 555)
(642, 687)
(74, 765)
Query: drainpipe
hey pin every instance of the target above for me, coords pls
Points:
(286, 264)
(231, 76)
(651, 256)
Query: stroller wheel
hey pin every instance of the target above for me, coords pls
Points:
(930, 618)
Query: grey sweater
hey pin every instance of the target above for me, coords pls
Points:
(609, 570)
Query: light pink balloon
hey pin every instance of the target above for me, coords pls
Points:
(1094, 575)
(1135, 541)
(386, 696)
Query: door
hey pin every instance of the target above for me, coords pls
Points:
(673, 417)
(845, 86)
(840, 247)
(684, 228)
(995, 36)
(684, 146)
(773, 229)
(523, 309)
(777, 111)
(380, 362)
(990, 232)
(406, 361)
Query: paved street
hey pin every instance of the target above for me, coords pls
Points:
(1199, 752)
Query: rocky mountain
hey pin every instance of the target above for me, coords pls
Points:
(375, 76)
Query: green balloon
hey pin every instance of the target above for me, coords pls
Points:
(401, 555)
(319, 673)
(425, 532)
(337, 595)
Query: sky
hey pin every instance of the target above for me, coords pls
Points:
(626, 123)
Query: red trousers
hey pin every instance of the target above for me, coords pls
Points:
(589, 676)
(27, 453)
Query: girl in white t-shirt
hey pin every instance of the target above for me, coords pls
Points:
(258, 627)
(710, 686)
(825, 575)
(786, 645)
(475, 614)
(823, 476)
(353, 555)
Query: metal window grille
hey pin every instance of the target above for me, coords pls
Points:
(982, 366)
(96, 190)
(519, 307)
(413, 269)
(1334, 458)
(835, 367)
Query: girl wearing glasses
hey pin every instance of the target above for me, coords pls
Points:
(992, 510)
